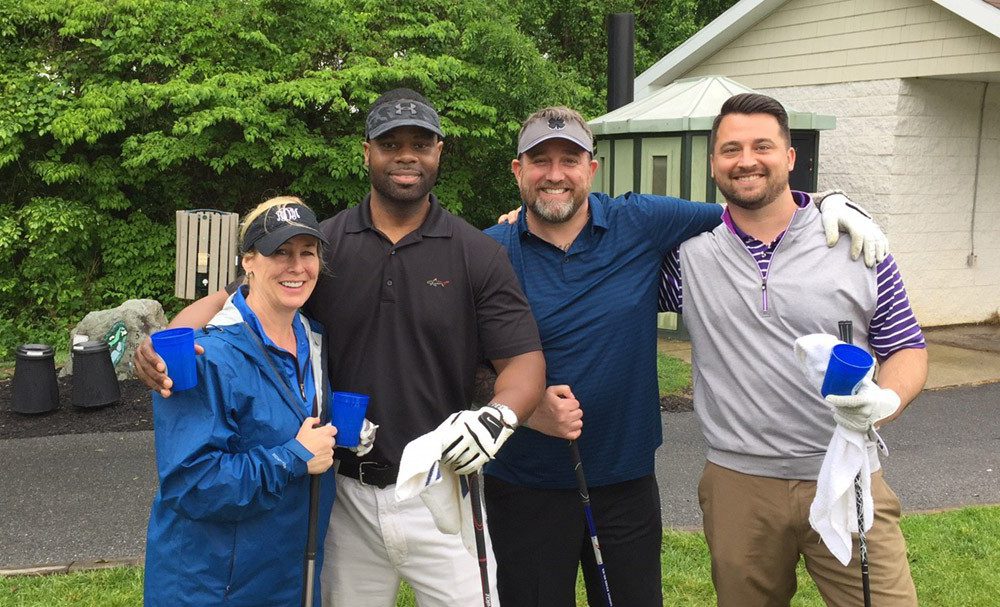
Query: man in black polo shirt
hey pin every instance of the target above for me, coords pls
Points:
(411, 297)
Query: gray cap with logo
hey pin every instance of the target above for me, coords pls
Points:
(553, 127)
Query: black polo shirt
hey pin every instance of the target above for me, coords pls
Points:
(408, 323)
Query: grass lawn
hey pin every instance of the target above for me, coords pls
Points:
(953, 556)
(673, 374)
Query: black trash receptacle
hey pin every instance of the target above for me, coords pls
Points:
(94, 381)
(35, 387)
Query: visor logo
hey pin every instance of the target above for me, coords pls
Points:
(406, 107)
(557, 124)
(287, 214)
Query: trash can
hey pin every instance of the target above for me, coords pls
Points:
(35, 387)
(94, 380)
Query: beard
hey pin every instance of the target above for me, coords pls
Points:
(393, 193)
(552, 211)
(773, 187)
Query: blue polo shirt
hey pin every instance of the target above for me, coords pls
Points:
(596, 306)
(295, 370)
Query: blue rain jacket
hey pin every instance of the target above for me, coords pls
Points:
(229, 523)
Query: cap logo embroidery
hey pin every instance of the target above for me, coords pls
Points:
(408, 107)
(287, 214)
(437, 282)
(557, 124)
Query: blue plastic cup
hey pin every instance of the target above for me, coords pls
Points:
(176, 348)
(348, 416)
(847, 367)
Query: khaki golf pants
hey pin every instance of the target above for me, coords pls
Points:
(757, 527)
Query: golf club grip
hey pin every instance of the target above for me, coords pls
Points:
(581, 478)
(477, 524)
(846, 328)
(314, 491)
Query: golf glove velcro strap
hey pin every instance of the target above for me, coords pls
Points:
(859, 412)
(469, 439)
(840, 214)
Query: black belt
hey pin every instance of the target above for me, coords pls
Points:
(375, 474)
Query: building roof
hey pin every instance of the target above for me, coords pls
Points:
(690, 104)
(746, 13)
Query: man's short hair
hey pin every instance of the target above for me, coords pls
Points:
(752, 103)
(563, 122)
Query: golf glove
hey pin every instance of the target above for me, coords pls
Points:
(469, 439)
(861, 411)
(367, 441)
(840, 214)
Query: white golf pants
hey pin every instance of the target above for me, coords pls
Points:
(373, 542)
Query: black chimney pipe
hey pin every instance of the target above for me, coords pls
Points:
(621, 59)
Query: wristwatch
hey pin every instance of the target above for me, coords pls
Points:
(506, 413)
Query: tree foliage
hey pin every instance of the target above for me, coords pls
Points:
(573, 33)
(116, 113)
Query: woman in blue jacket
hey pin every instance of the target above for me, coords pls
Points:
(229, 522)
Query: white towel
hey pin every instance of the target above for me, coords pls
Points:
(833, 513)
(445, 493)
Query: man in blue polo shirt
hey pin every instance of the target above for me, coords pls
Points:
(588, 264)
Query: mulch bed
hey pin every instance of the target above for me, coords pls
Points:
(133, 412)
(676, 403)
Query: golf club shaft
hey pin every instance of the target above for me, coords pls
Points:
(477, 523)
(588, 512)
(847, 335)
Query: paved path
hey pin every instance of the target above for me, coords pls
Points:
(85, 497)
(943, 452)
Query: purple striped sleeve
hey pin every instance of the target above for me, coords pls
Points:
(893, 327)
(671, 288)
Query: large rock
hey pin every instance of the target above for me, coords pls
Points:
(123, 328)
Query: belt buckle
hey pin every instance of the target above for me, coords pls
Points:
(375, 469)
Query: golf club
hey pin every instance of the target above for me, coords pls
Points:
(309, 571)
(847, 335)
(477, 523)
(588, 512)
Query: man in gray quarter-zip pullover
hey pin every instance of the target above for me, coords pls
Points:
(761, 279)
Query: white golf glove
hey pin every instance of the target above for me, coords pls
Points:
(861, 411)
(469, 439)
(840, 214)
(368, 430)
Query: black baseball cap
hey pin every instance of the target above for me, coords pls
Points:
(275, 226)
(401, 110)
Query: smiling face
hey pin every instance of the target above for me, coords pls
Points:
(554, 178)
(403, 164)
(283, 281)
(751, 160)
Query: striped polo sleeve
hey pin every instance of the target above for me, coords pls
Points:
(893, 327)
(671, 295)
